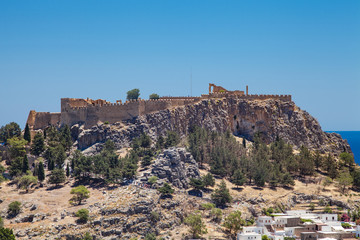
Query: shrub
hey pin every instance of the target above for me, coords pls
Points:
(216, 214)
(87, 236)
(154, 216)
(166, 190)
(80, 193)
(7, 234)
(197, 226)
(83, 215)
(150, 236)
(346, 225)
(14, 208)
(207, 206)
(27, 181)
(152, 180)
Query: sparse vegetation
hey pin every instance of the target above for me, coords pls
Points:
(196, 225)
(166, 190)
(14, 208)
(80, 193)
(83, 215)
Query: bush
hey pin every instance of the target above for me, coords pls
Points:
(154, 216)
(14, 208)
(152, 180)
(6, 234)
(80, 193)
(83, 215)
(27, 181)
(197, 226)
(87, 236)
(207, 206)
(216, 214)
(150, 236)
(346, 225)
(166, 190)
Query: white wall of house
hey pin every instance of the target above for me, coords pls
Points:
(264, 220)
(328, 217)
(248, 236)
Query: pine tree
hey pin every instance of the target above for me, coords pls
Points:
(38, 145)
(25, 165)
(41, 172)
(27, 134)
(221, 195)
(238, 178)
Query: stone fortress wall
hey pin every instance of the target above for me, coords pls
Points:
(90, 112)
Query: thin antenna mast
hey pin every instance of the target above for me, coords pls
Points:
(191, 82)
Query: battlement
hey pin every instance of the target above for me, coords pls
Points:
(90, 112)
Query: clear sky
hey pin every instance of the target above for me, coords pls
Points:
(101, 49)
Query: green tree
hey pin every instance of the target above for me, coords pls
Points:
(60, 156)
(221, 195)
(154, 96)
(67, 170)
(306, 162)
(196, 224)
(197, 184)
(7, 234)
(57, 176)
(1, 222)
(318, 160)
(65, 137)
(238, 178)
(17, 147)
(38, 145)
(83, 215)
(330, 166)
(327, 209)
(80, 193)
(27, 181)
(9, 131)
(146, 161)
(172, 139)
(25, 164)
(133, 94)
(14, 208)
(41, 172)
(216, 215)
(327, 182)
(233, 223)
(208, 180)
(287, 180)
(166, 190)
(27, 134)
(344, 180)
(347, 159)
(16, 167)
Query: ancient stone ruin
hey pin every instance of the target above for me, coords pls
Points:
(89, 112)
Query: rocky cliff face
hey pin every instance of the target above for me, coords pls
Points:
(243, 117)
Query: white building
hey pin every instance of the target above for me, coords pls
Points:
(264, 220)
(249, 236)
(328, 217)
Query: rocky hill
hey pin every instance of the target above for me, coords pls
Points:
(273, 118)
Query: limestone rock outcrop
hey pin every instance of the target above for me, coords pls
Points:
(177, 166)
(245, 117)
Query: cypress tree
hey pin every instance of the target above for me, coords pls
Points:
(27, 134)
(67, 170)
(25, 165)
(51, 164)
(41, 172)
(38, 145)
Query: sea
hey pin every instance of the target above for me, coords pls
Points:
(353, 138)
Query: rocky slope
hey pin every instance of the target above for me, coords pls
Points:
(243, 117)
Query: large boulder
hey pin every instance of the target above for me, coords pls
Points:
(177, 166)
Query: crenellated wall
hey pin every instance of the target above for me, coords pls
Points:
(90, 112)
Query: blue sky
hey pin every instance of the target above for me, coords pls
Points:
(101, 49)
